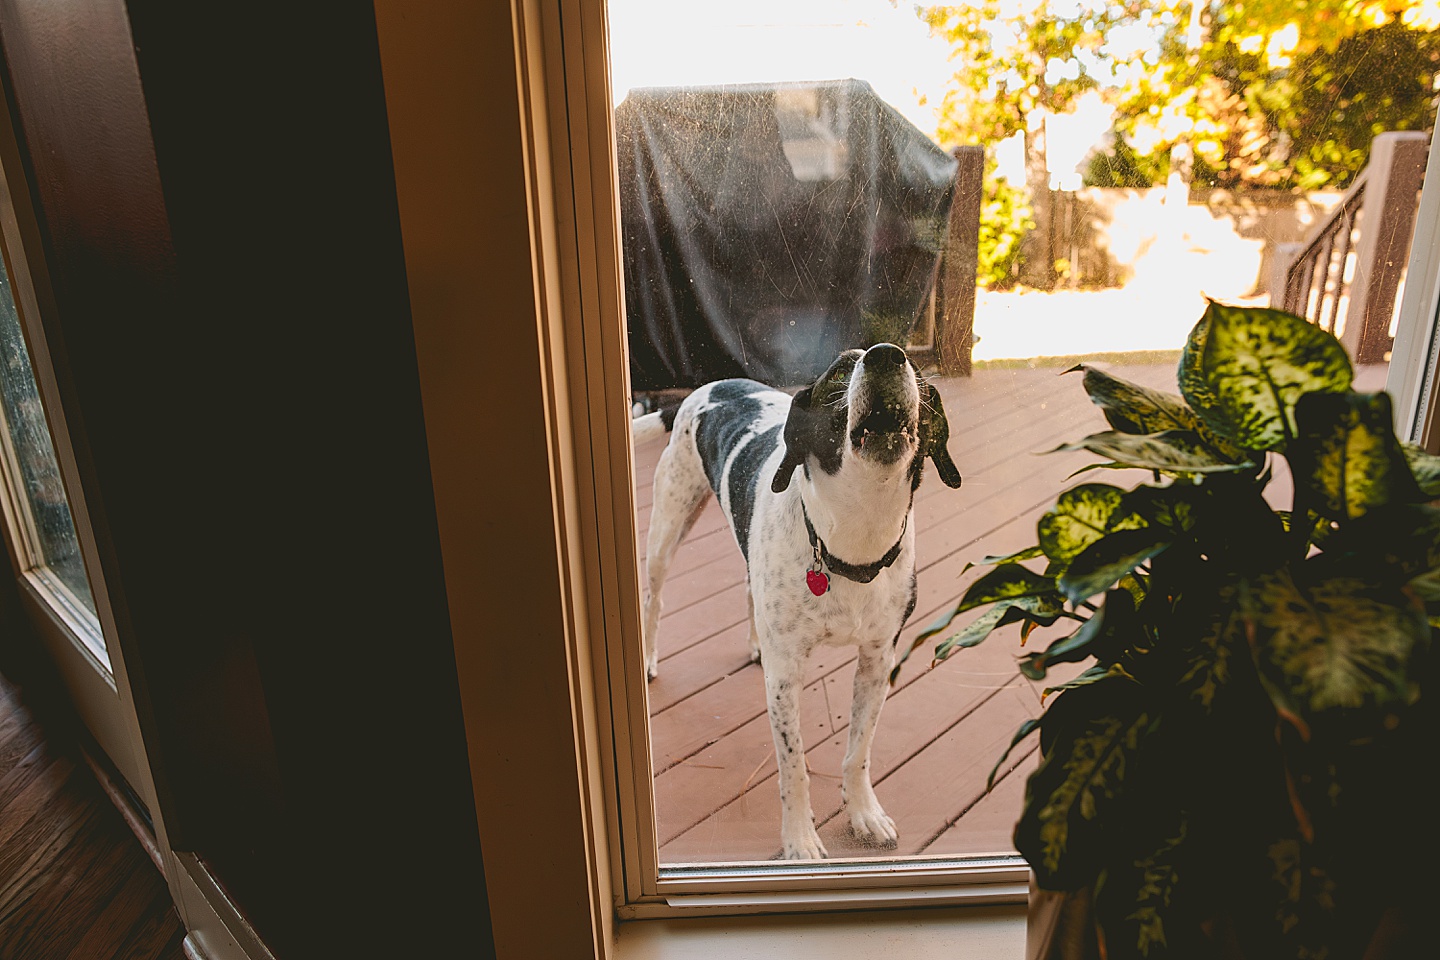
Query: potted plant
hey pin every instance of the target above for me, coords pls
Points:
(1240, 769)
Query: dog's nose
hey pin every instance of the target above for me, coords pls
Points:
(885, 353)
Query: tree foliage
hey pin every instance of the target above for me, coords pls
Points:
(1273, 93)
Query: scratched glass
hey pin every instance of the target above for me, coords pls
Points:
(791, 188)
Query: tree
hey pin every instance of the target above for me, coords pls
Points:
(1279, 94)
(1018, 61)
(1241, 93)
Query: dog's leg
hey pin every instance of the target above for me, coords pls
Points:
(783, 678)
(868, 819)
(754, 631)
(681, 493)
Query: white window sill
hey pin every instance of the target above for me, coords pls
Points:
(938, 933)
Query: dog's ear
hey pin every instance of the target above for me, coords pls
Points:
(935, 435)
(794, 443)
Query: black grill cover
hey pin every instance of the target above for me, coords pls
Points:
(767, 227)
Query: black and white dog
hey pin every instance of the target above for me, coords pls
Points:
(830, 558)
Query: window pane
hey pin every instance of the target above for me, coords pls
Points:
(46, 527)
(791, 175)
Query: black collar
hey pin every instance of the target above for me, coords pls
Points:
(859, 572)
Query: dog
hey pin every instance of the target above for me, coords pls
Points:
(830, 557)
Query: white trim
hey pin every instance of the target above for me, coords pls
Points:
(1410, 381)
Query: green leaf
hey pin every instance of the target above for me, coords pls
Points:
(1134, 408)
(1346, 456)
(1102, 636)
(1093, 674)
(1138, 898)
(1425, 467)
(1090, 738)
(977, 630)
(1244, 368)
(1338, 643)
(1008, 581)
(1029, 553)
(1172, 507)
(1174, 451)
(1208, 667)
(1426, 586)
(1105, 561)
(1304, 893)
(1026, 728)
(1080, 517)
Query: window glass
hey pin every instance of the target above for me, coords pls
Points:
(1002, 190)
(39, 508)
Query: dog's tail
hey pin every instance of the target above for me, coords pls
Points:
(653, 426)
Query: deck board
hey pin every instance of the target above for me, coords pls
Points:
(942, 729)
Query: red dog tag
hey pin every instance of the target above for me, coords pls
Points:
(817, 582)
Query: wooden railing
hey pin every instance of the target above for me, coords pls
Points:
(1346, 275)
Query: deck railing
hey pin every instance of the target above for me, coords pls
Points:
(1346, 275)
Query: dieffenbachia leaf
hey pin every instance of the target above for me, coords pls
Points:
(976, 631)
(1103, 636)
(1026, 728)
(1100, 565)
(1091, 675)
(1171, 507)
(1338, 643)
(1208, 668)
(1425, 467)
(1244, 368)
(1009, 581)
(1017, 592)
(1080, 516)
(1029, 553)
(1346, 456)
(1305, 915)
(1138, 900)
(1090, 738)
(1173, 451)
(1135, 408)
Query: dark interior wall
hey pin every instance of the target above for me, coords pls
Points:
(232, 338)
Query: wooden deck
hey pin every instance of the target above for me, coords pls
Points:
(942, 729)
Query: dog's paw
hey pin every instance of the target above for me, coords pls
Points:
(805, 846)
(652, 669)
(872, 825)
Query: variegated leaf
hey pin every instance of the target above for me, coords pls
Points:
(1091, 675)
(1174, 451)
(1135, 408)
(1080, 516)
(1244, 368)
(1029, 553)
(1009, 581)
(1304, 894)
(1425, 467)
(1104, 562)
(1209, 667)
(973, 633)
(1137, 903)
(1339, 643)
(1346, 456)
(1080, 782)
(1026, 728)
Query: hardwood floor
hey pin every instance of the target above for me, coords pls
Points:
(74, 882)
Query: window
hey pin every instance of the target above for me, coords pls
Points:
(36, 506)
(1129, 255)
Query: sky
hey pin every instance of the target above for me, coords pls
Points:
(683, 42)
